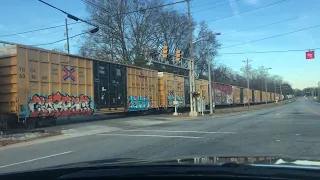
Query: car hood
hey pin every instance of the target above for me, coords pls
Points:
(214, 160)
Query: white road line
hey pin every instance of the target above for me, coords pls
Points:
(151, 135)
(31, 160)
(200, 132)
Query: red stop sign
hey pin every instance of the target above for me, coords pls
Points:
(310, 55)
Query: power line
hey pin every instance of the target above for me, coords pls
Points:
(270, 37)
(59, 40)
(70, 15)
(135, 11)
(35, 30)
(264, 52)
(208, 3)
(95, 6)
(298, 17)
(215, 6)
(155, 7)
(261, 7)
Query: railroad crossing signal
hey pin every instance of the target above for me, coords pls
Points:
(310, 54)
(165, 51)
(178, 55)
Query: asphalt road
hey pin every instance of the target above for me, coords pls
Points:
(291, 130)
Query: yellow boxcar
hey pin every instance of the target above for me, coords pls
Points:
(171, 87)
(40, 83)
(203, 87)
(264, 96)
(236, 94)
(247, 92)
(272, 97)
(142, 89)
(257, 96)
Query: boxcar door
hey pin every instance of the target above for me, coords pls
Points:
(101, 71)
(241, 96)
(117, 86)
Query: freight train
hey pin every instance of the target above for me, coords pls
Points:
(38, 86)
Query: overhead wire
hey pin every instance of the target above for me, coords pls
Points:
(270, 37)
(135, 11)
(274, 51)
(265, 25)
(208, 3)
(43, 44)
(36, 30)
(214, 7)
(258, 8)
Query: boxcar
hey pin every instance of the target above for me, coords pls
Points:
(236, 95)
(39, 85)
(264, 96)
(203, 87)
(256, 96)
(120, 88)
(142, 89)
(222, 94)
(247, 94)
(109, 86)
(171, 87)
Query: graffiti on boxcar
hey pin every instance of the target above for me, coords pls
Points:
(178, 98)
(171, 98)
(220, 97)
(58, 105)
(138, 103)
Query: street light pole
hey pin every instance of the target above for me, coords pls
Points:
(193, 112)
(266, 85)
(210, 85)
(211, 100)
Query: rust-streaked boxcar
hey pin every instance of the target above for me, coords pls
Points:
(222, 94)
(171, 87)
(142, 89)
(39, 85)
(202, 86)
(264, 96)
(236, 95)
(272, 97)
(247, 95)
(256, 96)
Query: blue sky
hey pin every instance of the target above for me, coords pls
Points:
(292, 66)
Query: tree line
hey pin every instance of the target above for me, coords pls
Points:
(128, 38)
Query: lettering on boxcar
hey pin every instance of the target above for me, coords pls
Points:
(54, 71)
(22, 73)
(44, 78)
(81, 74)
(32, 70)
(58, 105)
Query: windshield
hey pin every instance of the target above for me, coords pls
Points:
(127, 80)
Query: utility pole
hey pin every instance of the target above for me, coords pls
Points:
(210, 85)
(275, 90)
(193, 112)
(247, 72)
(67, 34)
(266, 85)
(280, 91)
(318, 96)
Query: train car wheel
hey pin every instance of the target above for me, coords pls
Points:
(30, 123)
